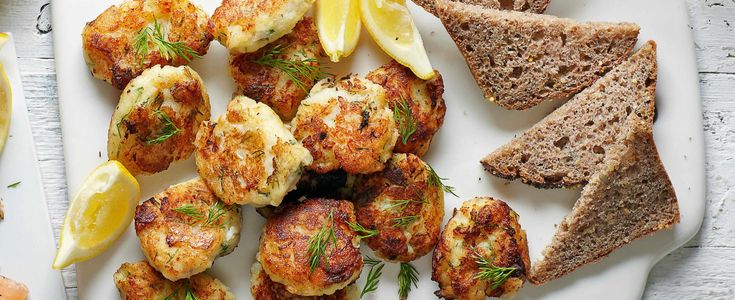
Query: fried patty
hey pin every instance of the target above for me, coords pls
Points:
(346, 124)
(183, 229)
(284, 247)
(424, 104)
(403, 205)
(157, 119)
(245, 26)
(487, 228)
(249, 156)
(267, 83)
(263, 288)
(139, 281)
(109, 40)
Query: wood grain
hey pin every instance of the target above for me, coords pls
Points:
(702, 269)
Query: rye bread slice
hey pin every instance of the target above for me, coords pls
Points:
(631, 197)
(566, 147)
(521, 59)
(533, 6)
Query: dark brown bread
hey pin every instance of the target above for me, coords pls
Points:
(568, 146)
(534, 6)
(631, 197)
(522, 59)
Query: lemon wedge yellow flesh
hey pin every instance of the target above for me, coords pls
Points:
(98, 214)
(6, 99)
(338, 24)
(391, 26)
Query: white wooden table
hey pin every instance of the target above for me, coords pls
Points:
(703, 269)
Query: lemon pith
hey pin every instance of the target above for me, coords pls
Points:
(338, 23)
(5, 107)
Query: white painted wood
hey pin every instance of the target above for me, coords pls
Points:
(700, 270)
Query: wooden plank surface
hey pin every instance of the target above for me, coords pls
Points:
(702, 269)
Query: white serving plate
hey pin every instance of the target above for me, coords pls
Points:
(472, 129)
(26, 241)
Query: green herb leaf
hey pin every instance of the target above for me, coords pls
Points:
(366, 233)
(407, 276)
(373, 277)
(190, 294)
(318, 243)
(298, 70)
(157, 36)
(13, 185)
(169, 129)
(215, 212)
(189, 210)
(403, 203)
(404, 221)
(404, 119)
(435, 180)
(493, 274)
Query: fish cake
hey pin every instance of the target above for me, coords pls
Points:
(483, 229)
(183, 229)
(271, 85)
(405, 207)
(346, 124)
(424, 105)
(109, 41)
(157, 119)
(140, 281)
(263, 288)
(249, 156)
(284, 247)
(245, 26)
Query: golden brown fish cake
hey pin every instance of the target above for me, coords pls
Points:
(423, 98)
(404, 207)
(263, 288)
(487, 228)
(183, 229)
(270, 85)
(157, 119)
(284, 247)
(247, 25)
(139, 281)
(109, 40)
(249, 156)
(346, 124)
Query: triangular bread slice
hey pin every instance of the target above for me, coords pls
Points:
(521, 59)
(566, 147)
(631, 197)
(534, 6)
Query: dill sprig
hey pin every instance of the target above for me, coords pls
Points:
(404, 119)
(404, 221)
(188, 293)
(403, 203)
(488, 271)
(319, 242)
(13, 185)
(157, 35)
(407, 276)
(373, 277)
(298, 70)
(169, 129)
(215, 212)
(190, 210)
(437, 181)
(365, 233)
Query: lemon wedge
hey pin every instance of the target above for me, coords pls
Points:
(338, 23)
(391, 26)
(98, 215)
(6, 99)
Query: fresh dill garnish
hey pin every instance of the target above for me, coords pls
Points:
(366, 233)
(189, 210)
(407, 276)
(403, 203)
(215, 212)
(404, 118)
(190, 294)
(373, 277)
(488, 271)
(404, 221)
(297, 69)
(169, 129)
(157, 35)
(437, 181)
(319, 242)
(13, 185)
